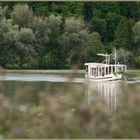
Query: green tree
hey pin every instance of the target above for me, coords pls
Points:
(136, 38)
(94, 46)
(123, 34)
(22, 15)
(112, 20)
(53, 48)
(41, 33)
(39, 8)
(137, 61)
(74, 39)
(24, 46)
(8, 35)
(99, 25)
(124, 56)
(136, 32)
(62, 34)
(130, 9)
(3, 12)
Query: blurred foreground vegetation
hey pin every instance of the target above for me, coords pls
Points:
(64, 112)
(58, 35)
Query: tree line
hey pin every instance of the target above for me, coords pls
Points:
(63, 35)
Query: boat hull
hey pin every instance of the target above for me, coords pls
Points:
(106, 78)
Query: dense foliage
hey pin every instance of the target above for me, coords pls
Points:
(59, 35)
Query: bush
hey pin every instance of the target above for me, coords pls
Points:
(137, 61)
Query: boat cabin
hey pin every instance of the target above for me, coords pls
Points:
(101, 70)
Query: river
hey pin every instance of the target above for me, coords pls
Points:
(24, 86)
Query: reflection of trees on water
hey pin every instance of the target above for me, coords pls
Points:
(110, 93)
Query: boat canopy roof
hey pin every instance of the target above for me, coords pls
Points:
(102, 65)
(96, 64)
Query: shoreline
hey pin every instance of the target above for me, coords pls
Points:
(55, 71)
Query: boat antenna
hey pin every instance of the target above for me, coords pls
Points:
(115, 57)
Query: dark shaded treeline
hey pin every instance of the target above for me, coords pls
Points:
(58, 35)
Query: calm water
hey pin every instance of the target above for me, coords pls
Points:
(24, 87)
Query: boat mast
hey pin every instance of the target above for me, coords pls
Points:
(115, 57)
(107, 59)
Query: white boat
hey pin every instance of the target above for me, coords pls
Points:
(105, 71)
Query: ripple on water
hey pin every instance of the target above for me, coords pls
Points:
(39, 77)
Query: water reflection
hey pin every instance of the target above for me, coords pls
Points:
(110, 93)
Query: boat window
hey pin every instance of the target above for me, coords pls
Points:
(92, 71)
(113, 69)
(119, 69)
(109, 69)
(103, 71)
(106, 70)
(99, 71)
